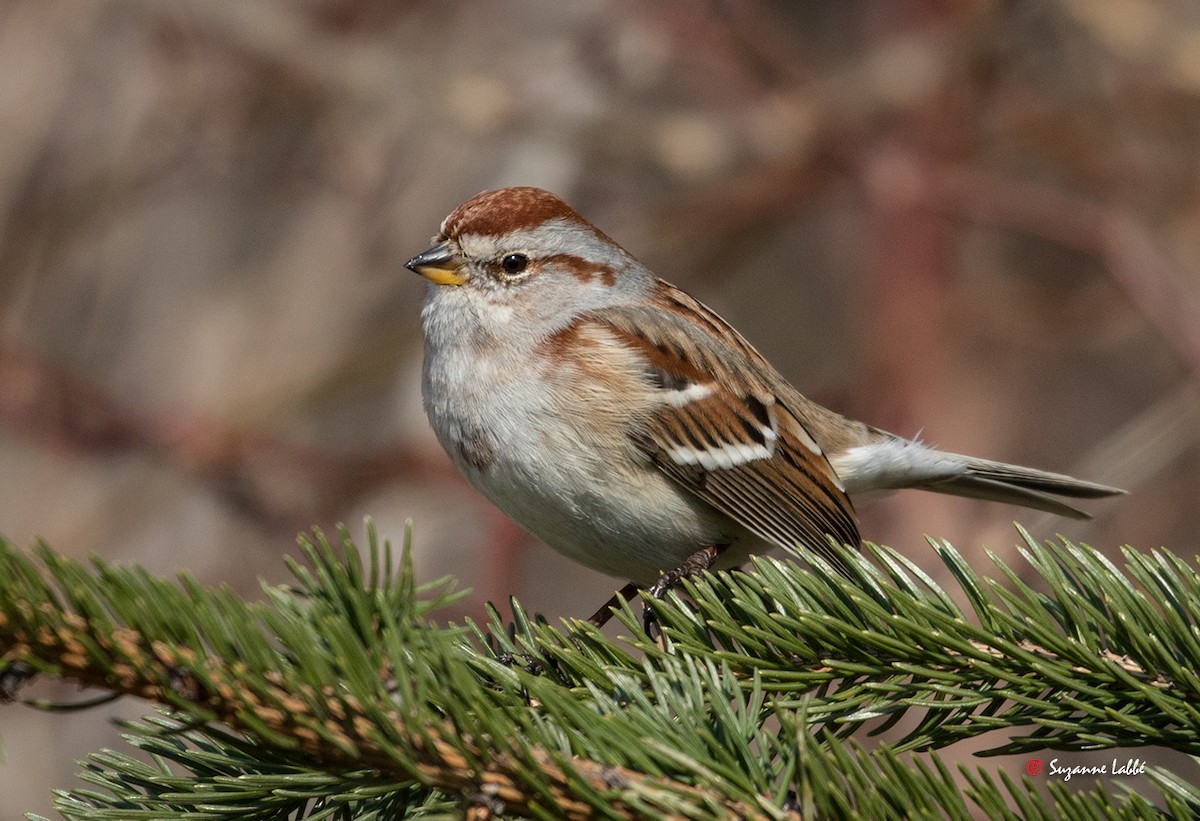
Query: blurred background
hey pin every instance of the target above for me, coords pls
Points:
(976, 219)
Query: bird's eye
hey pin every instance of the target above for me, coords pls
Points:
(514, 264)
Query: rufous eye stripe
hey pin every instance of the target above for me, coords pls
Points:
(583, 269)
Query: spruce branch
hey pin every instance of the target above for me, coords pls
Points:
(405, 703)
(341, 698)
(1103, 660)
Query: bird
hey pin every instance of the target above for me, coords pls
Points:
(628, 426)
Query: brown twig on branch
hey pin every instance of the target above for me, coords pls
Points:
(1125, 248)
(47, 403)
(336, 731)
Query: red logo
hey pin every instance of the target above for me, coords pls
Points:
(1034, 766)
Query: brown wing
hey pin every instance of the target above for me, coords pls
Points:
(721, 431)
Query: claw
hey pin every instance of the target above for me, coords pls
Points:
(701, 560)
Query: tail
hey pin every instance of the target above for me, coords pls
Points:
(1015, 485)
(890, 462)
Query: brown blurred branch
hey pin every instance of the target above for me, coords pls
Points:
(1129, 254)
(46, 403)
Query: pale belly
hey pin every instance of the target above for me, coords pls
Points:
(564, 483)
(582, 487)
(634, 527)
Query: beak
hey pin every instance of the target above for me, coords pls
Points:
(439, 264)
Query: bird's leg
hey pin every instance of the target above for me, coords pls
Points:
(601, 616)
(698, 562)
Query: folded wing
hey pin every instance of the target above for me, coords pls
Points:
(721, 433)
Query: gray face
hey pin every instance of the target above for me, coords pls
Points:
(523, 285)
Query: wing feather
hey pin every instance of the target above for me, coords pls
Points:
(733, 445)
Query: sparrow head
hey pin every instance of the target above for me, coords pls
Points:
(525, 248)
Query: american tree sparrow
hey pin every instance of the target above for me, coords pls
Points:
(627, 425)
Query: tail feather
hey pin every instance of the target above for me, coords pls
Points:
(1056, 483)
(993, 490)
(892, 463)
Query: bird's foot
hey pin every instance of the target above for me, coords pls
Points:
(698, 562)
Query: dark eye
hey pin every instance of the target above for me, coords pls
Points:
(514, 264)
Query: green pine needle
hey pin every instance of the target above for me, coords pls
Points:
(340, 697)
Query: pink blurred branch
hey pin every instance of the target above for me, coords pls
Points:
(1132, 258)
(44, 402)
